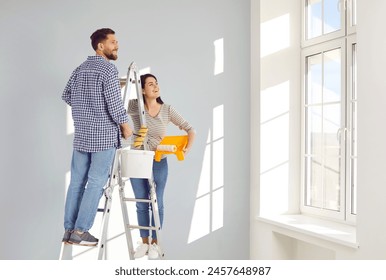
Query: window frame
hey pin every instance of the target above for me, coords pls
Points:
(345, 38)
(326, 37)
(351, 12)
(351, 77)
(307, 52)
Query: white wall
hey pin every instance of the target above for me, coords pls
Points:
(371, 134)
(371, 225)
(43, 41)
(279, 106)
(276, 122)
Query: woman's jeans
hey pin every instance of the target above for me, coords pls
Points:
(89, 174)
(141, 189)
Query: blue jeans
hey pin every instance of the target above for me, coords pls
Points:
(89, 174)
(141, 189)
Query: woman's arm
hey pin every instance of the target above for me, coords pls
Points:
(179, 121)
(191, 137)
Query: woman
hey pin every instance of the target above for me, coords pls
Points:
(158, 115)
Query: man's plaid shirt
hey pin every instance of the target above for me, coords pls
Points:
(94, 94)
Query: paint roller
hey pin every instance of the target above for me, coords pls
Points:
(167, 148)
(140, 136)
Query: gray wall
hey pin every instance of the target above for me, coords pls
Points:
(43, 41)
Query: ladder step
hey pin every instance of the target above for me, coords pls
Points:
(136, 199)
(140, 227)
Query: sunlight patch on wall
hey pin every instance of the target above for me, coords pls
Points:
(70, 124)
(208, 213)
(274, 149)
(218, 147)
(218, 209)
(275, 35)
(67, 182)
(218, 56)
(274, 190)
(274, 101)
(200, 225)
(204, 183)
(274, 108)
(145, 70)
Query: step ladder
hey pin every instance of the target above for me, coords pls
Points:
(116, 178)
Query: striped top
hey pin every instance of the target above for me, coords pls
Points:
(157, 125)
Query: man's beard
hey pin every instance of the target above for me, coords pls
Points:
(111, 56)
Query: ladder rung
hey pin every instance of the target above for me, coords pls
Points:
(141, 227)
(136, 199)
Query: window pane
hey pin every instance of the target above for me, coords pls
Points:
(354, 72)
(323, 122)
(353, 186)
(331, 15)
(332, 76)
(331, 155)
(314, 83)
(314, 18)
(332, 183)
(353, 159)
(323, 17)
(353, 133)
(331, 127)
(314, 131)
(314, 194)
(353, 130)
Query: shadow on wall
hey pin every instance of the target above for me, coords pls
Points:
(201, 73)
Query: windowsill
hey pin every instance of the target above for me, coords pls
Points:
(302, 227)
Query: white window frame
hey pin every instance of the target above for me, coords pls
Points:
(344, 39)
(351, 13)
(351, 76)
(326, 37)
(313, 50)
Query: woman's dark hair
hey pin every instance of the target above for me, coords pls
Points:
(143, 81)
(99, 36)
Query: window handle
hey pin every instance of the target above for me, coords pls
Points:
(339, 133)
(341, 3)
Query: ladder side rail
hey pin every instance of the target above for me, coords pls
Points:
(65, 252)
(141, 105)
(125, 214)
(126, 93)
(130, 79)
(108, 192)
(153, 195)
(157, 222)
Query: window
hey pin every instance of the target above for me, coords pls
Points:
(351, 210)
(329, 109)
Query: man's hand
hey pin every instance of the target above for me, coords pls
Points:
(126, 130)
(122, 82)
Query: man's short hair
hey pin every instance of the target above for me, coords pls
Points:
(99, 36)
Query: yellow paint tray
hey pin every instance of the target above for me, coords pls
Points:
(179, 142)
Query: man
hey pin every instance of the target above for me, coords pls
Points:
(93, 92)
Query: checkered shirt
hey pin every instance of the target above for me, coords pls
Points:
(94, 94)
